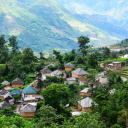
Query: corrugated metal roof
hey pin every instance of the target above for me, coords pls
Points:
(29, 90)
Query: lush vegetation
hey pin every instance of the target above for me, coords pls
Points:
(110, 109)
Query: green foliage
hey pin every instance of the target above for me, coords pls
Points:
(39, 105)
(17, 97)
(28, 56)
(54, 79)
(59, 57)
(82, 42)
(84, 120)
(56, 94)
(53, 68)
(106, 52)
(13, 43)
(14, 122)
(47, 115)
(92, 60)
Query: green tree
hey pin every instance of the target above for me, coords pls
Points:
(92, 78)
(92, 60)
(13, 43)
(106, 52)
(85, 120)
(28, 56)
(56, 94)
(59, 57)
(17, 97)
(47, 115)
(82, 42)
(2, 42)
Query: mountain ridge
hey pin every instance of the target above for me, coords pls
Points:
(44, 25)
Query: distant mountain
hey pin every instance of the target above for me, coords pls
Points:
(44, 25)
(115, 10)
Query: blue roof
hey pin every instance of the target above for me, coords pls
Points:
(29, 90)
(15, 92)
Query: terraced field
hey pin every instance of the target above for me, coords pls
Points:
(123, 72)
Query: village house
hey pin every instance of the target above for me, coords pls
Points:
(85, 104)
(9, 99)
(102, 78)
(4, 94)
(17, 83)
(85, 92)
(15, 92)
(28, 93)
(58, 73)
(39, 98)
(79, 72)
(46, 72)
(28, 110)
(72, 80)
(114, 66)
(68, 66)
(35, 86)
(5, 83)
(82, 81)
(4, 104)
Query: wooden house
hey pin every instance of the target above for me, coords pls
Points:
(17, 83)
(28, 110)
(68, 66)
(79, 72)
(85, 104)
(85, 92)
(6, 83)
(46, 72)
(28, 93)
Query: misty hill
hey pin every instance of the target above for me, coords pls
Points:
(46, 25)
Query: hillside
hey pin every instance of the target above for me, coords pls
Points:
(44, 25)
(112, 12)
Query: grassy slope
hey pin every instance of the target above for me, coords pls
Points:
(45, 25)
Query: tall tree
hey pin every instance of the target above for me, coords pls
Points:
(59, 57)
(2, 42)
(82, 42)
(28, 56)
(13, 43)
